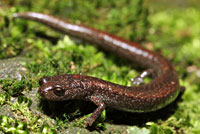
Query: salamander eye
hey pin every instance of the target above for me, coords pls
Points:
(59, 91)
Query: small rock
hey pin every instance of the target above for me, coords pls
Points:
(12, 68)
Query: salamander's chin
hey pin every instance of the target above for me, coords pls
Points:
(41, 93)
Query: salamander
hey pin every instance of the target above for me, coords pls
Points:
(161, 91)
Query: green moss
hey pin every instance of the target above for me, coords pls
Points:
(179, 31)
(11, 39)
(8, 125)
(67, 57)
(25, 121)
(14, 87)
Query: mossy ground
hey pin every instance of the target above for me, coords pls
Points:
(173, 32)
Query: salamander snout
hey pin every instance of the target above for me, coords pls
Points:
(43, 80)
(52, 88)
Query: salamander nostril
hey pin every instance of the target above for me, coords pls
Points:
(43, 80)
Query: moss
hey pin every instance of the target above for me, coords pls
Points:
(11, 39)
(25, 121)
(14, 87)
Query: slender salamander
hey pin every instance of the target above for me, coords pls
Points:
(161, 91)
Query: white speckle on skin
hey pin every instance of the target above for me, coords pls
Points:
(172, 82)
(47, 89)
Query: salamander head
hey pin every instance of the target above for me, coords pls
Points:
(58, 88)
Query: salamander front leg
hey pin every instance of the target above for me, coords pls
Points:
(140, 78)
(97, 112)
